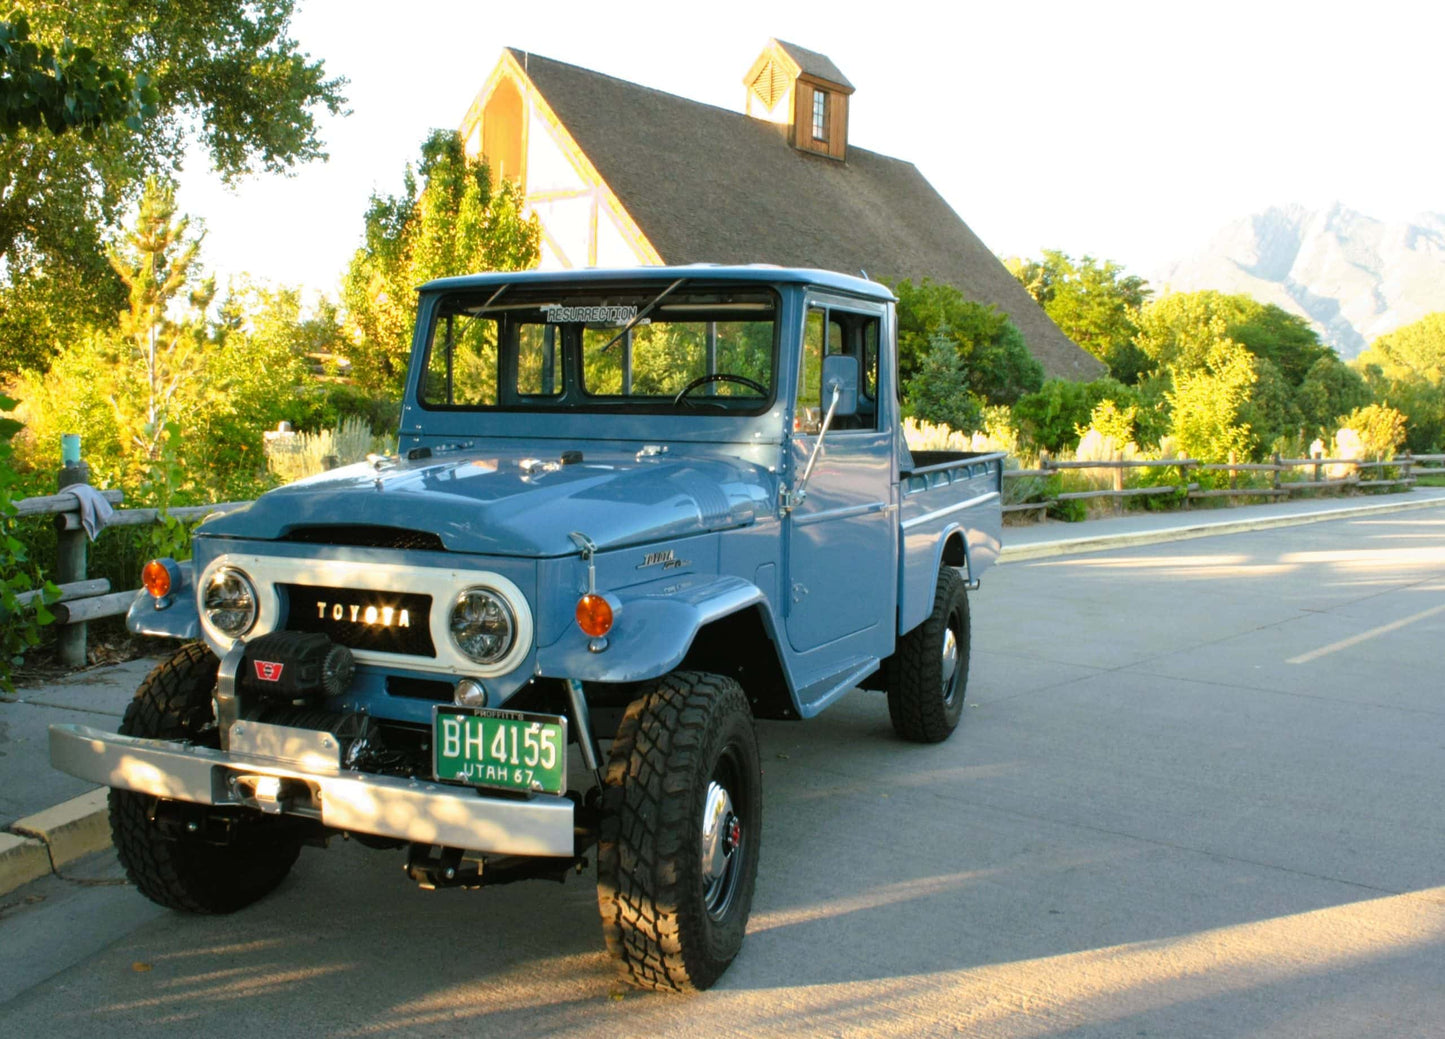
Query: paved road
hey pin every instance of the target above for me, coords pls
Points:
(1197, 792)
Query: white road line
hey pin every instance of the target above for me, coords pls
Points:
(1354, 640)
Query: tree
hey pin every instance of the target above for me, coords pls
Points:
(1413, 350)
(157, 393)
(1052, 416)
(221, 70)
(455, 221)
(1381, 429)
(1206, 404)
(995, 360)
(1270, 410)
(66, 88)
(1095, 304)
(1330, 389)
(1180, 330)
(939, 392)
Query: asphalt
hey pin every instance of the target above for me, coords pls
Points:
(49, 819)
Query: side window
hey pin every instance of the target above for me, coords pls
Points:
(807, 416)
(850, 333)
(539, 370)
(870, 359)
(462, 363)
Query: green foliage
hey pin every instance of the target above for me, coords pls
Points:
(1330, 389)
(1206, 403)
(1270, 410)
(1179, 332)
(1285, 340)
(997, 364)
(20, 624)
(1051, 417)
(1095, 304)
(455, 221)
(65, 88)
(221, 72)
(939, 392)
(1413, 351)
(1381, 429)
(1112, 422)
(160, 389)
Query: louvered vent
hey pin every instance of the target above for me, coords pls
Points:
(771, 84)
(367, 537)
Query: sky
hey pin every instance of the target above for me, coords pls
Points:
(1129, 132)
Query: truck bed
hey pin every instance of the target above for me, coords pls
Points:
(943, 492)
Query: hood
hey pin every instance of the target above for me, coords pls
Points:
(481, 503)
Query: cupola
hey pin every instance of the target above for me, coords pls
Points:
(803, 91)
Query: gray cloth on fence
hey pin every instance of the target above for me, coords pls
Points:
(95, 511)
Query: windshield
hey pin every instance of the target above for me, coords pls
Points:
(641, 348)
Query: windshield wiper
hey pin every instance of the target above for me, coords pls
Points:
(641, 314)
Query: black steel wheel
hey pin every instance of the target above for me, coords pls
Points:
(192, 874)
(678, 856)
(927, 675)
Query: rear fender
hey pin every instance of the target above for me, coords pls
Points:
(916, 600)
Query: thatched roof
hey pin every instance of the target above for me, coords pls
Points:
(705, 184)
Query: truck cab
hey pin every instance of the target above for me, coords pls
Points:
(630, 512)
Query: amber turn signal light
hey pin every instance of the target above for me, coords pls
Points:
(594, 615)
(155, 577)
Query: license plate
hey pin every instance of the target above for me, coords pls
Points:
(507, 750)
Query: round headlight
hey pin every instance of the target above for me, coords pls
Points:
(482, 625)
(230, 602)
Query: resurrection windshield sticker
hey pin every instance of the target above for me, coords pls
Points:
(558, 314)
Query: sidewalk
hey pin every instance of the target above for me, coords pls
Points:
(36, 838)
(1054, 538)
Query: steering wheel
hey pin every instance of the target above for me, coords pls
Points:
(703, 380)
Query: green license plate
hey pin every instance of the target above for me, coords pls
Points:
(507, 750)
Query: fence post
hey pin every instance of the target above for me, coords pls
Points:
(70, 553)
(1274, 482)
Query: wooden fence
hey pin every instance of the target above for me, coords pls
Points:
(1318, 474)
(82, 598)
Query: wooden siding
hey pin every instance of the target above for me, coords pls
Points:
(836, 146)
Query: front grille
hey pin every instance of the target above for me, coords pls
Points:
(367, 537)
(383, 622)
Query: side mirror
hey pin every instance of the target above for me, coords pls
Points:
(841, 370)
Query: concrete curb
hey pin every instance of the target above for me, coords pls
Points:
(1102, 542)
(41, 843)
(21, 861)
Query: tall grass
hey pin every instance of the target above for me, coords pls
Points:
(300, 455)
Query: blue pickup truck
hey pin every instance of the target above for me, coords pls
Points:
(631, 511)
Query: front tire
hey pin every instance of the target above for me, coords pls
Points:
(174, 703)
(928, 672)
(678, 855)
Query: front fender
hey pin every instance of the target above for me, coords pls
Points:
(654, 628)
(178, 620)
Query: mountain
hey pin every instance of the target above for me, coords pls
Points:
(1353, 277)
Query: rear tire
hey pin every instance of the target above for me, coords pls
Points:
(678, 855)
(174, 703)
(927, 675)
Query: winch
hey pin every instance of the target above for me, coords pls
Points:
(295, 665)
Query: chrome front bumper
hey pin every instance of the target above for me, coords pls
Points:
(388, 806)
